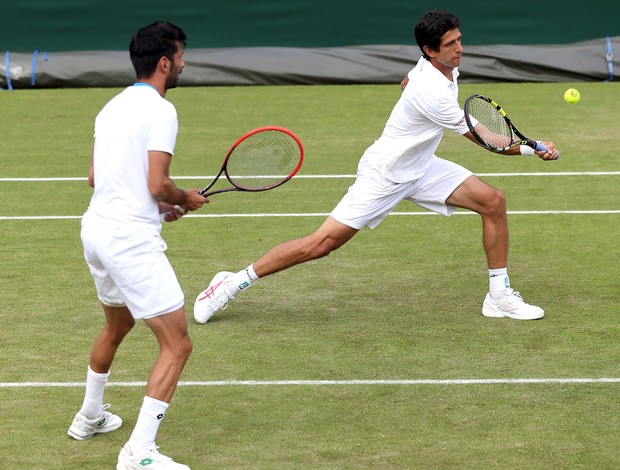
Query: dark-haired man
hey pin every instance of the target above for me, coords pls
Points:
(135, 135)
(402, 165)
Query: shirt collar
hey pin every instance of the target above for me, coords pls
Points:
(430, 68)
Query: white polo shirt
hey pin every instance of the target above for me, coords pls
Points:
(132, 123)
(428, 106)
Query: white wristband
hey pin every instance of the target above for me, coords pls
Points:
(526, 150)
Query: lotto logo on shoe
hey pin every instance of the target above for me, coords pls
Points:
(145, 462)
(101, 422)
(160, 416)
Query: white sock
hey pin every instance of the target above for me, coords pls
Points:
(149, 419)
(244, 279)
(92, 407)
(498, 280)
(251, 273)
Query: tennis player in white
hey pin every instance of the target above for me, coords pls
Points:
(402, 165)
(135, 135)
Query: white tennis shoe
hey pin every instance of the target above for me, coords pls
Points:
(83, 428)
(510, 304)
(149, 459)
(215, 297)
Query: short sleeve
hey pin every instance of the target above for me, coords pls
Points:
(163, 128)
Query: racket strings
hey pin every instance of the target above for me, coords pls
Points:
(263, 159)
(491, 127)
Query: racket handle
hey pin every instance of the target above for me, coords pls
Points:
(162, 215)
(540, 147)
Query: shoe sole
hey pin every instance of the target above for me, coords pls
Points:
(492, 314)
(78, 437)
(534, 317)
(497, 314)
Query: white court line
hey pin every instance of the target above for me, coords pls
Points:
(210, 177)
(319, 214)
(331, 382)
(253, 383)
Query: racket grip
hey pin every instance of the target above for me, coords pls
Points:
(540, 147)
(162, 215)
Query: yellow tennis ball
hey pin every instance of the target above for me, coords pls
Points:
(571, 96)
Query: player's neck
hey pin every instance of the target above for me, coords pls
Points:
(159, 85)
(445, 70)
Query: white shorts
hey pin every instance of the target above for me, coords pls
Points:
(372, 197)
(130, 269)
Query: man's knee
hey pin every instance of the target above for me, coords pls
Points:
(495, 203)
(185, 347)
(499, 199)
(319, 247)
(181, 349)
(327, 239)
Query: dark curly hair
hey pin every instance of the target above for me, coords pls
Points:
(432, 26)
(153, 42)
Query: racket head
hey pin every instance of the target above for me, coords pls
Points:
(488, 123)
(263, 158)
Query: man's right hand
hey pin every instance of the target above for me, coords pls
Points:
(193, 200)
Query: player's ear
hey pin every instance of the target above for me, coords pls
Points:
(429, 52)
(164, 64)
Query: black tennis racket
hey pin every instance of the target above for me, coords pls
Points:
(262, 159)
(490, 125)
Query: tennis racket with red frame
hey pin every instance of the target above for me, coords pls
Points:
(262, 159)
